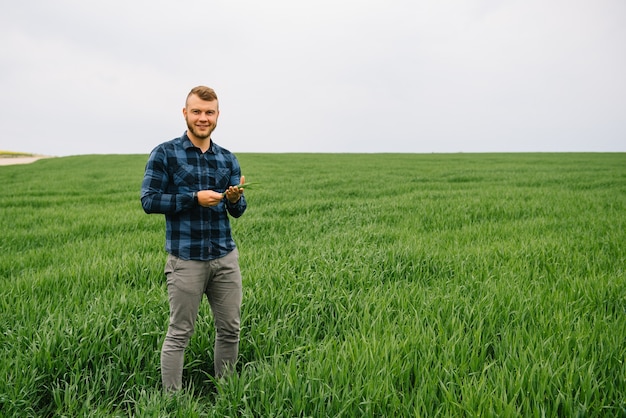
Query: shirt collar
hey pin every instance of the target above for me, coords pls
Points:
(188, 144)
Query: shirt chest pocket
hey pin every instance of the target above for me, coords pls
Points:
(185, 176)
(221, 178)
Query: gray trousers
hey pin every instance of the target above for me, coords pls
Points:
(187, 281)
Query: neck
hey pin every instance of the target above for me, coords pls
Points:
(203, 143)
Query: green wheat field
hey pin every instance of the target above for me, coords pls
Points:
(375, 285)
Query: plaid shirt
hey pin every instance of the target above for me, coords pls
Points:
(175, 170)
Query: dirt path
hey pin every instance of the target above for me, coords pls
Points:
(19, 160)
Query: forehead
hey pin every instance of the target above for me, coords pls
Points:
(196, 103)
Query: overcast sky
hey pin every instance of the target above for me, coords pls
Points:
(87, 77)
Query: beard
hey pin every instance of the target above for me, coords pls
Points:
(201, 134)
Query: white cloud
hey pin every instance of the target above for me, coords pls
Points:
(334, 76)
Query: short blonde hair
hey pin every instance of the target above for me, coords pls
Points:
(203, 92)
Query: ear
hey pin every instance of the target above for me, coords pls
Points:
(185, 112)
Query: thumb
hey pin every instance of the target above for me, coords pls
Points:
(243, 180)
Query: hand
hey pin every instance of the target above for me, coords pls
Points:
(208, 198)
(233, 194)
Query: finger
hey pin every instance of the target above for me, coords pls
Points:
(243, 179)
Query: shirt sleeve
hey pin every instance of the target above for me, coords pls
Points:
(154, 196)
(236, 209)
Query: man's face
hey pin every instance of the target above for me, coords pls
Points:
(201, 116)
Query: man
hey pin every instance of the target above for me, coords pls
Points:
(192, 181)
